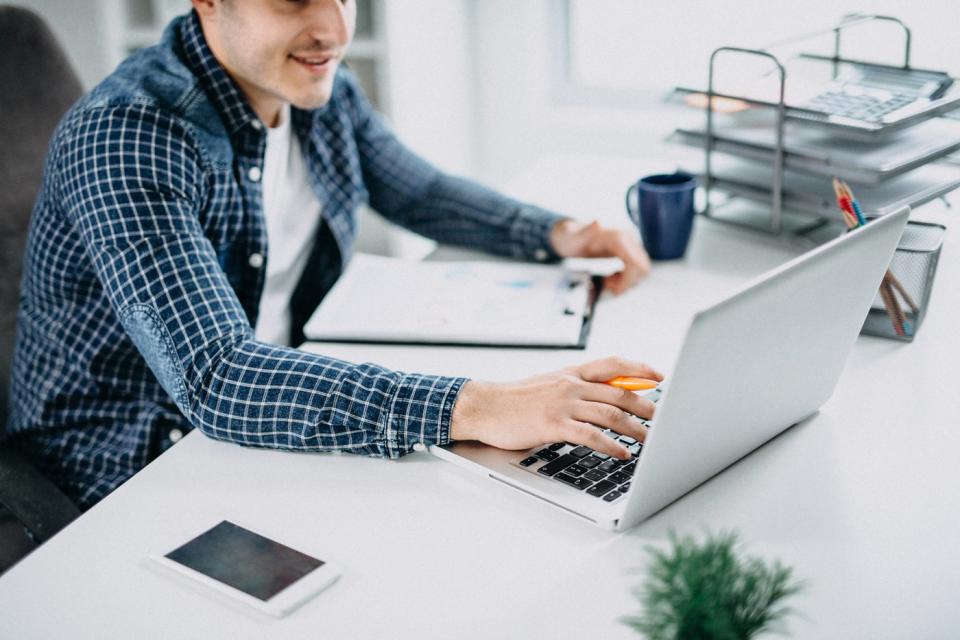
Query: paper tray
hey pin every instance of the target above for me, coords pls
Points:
(814, 194)
(816, 151)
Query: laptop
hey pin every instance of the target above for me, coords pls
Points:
(784, 338)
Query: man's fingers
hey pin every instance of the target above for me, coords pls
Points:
(610, 368)
(622, 399)
(590, 436)
(610, 417)
(620, 244)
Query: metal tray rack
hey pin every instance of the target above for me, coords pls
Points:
(785, 112)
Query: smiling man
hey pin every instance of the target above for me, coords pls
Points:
(198, 204)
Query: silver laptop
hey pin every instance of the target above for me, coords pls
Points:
(784, 338)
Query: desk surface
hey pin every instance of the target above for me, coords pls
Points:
(862, 500)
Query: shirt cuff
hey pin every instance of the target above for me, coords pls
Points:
(531, 234)
(420, 412)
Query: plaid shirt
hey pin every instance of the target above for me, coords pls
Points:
(146, 260)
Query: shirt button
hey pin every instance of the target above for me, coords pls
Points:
(419, 446)
(256, 124)
(540, 254)
(175, 435)
(255, 260)
(254, 174)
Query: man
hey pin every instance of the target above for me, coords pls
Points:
(148, 263)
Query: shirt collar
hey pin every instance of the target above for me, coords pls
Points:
(218, 85)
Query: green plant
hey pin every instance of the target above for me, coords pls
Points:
(706, 592)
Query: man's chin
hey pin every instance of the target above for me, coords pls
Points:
(311, 101)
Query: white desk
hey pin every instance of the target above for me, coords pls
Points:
(862, 500)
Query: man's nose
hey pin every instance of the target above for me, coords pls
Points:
(331, 21)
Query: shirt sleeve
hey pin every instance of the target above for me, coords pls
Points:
(451, 210)
(134, 185)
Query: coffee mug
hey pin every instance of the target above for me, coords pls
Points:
(664, 213)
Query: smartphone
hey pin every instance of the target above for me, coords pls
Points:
(251, 568)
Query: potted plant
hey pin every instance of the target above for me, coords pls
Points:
(705, 591)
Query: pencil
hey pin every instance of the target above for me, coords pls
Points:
(853, 217)
(888, 281)
(902, 291)
(846, 208)
(853, 202)
(888, 301)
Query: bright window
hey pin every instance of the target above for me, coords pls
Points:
(639, 49)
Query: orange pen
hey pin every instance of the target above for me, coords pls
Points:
(632, 384)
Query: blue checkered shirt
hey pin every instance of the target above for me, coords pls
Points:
(146, 260)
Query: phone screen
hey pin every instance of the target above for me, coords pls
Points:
(244, 560)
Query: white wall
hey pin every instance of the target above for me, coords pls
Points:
(521, 116)
(431, 85)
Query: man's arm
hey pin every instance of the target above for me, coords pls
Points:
(414, 194)
(133, 183)
(451, 210)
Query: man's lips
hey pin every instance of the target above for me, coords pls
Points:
(313, 58)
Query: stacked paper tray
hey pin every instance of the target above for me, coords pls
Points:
(816, 151)
(814, 194)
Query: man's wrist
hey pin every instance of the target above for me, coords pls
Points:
(467, 410)
(560, 235)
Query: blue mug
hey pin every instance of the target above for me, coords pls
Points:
(664, 213)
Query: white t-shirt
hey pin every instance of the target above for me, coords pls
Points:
(292, 214)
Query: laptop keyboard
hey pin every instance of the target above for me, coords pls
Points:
(587, 470)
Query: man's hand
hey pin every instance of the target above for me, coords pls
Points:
(567, 405)
(573, 239)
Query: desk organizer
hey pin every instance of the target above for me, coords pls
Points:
(914, 266)
(790, 191)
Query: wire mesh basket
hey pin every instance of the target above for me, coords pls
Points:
(904, 295)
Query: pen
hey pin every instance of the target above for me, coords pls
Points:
(632, 384)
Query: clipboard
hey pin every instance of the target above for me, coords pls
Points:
(382, 300)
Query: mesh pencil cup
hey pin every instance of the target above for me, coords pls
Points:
(901, 302)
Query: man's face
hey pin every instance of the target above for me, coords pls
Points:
(280, 51)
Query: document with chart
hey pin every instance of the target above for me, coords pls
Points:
(390, 300)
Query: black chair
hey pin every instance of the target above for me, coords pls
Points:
(37, 86)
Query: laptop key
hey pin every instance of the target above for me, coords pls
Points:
(628, 468)
(625, 487)
(589, 462)
(608, 466)
(600, 456)
(554, 466)
(581, 451)
(573, 481)
(556, 446)
(546, 454)
(595, 474)
(526, 462)
(601, 488)
(619, 477)
(575, 470)
(613, 495)
(627, 440)
(634, 449)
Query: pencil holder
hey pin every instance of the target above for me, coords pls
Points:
(901, 302)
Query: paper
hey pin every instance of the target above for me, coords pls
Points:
(382, 299)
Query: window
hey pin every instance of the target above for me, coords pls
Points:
(636, 50)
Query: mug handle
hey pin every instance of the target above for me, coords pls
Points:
(631, 211)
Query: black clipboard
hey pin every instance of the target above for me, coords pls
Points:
(596, 288)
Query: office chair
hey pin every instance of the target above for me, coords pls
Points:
(37, 86)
